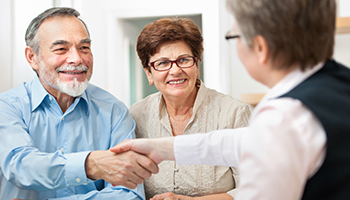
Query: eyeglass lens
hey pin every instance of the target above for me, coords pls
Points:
(182, 62)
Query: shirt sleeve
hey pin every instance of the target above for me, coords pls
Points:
(220, 147)
(19, 157)
(284, 148)
(109, 193)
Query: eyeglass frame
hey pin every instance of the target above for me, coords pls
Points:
(151, 64)
(229, 36)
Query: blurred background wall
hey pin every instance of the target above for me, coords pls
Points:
(114, 26)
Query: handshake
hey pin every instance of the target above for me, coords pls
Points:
(130, 162)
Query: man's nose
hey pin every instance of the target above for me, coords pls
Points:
(74, 57)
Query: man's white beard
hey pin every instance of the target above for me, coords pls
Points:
(73, 88)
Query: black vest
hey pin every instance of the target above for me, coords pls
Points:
(327, 94)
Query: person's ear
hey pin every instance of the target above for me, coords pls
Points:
(149, 76)
(32, 58)
(261, 49)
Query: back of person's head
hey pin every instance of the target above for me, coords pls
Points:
(297, 31)
(165, 30)
(31, 34)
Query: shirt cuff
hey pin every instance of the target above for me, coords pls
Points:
(75, 168)
(233, 193)
(186, 149)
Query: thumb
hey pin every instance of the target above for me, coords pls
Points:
(122, 147)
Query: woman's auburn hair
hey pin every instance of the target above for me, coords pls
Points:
(167, 30)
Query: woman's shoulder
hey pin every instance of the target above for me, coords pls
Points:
(217, 98)
(227, 107)
(146, 104)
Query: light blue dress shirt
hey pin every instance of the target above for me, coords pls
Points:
(43, 151)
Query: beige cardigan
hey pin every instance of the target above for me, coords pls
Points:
(212, 110)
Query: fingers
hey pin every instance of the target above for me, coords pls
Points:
(149, 165)
(140, 165)
(127, 168)
(130, 185)
(118, 169)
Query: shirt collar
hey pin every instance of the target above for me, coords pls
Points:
(290, 81)
(39, 93)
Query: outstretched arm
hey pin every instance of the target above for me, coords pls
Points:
(158, 149)
(220, 147)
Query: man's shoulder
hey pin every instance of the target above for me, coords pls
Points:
(15, 94)
(96, 93)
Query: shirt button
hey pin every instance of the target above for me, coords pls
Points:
(50, 98)
(62, 150)
(176, 170)
(62, 118)
(77, 180)
(176, 187)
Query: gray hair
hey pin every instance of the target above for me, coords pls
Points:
(31, 34)
(297, 31)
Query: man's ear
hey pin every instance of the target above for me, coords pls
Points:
(261, 49)
(32, 58)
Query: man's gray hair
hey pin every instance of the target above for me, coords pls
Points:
(31, 34)
(297, 31)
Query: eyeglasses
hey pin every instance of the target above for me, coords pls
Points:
(165, 64)
(231, 35)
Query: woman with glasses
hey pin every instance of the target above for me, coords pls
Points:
(170, 51)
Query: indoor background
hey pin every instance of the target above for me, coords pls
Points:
(114, 26)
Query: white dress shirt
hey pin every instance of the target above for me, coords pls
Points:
(283, 146)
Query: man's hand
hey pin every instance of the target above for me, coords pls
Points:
(126, 168)
(158, 149)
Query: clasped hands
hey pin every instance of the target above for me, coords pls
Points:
(130, 162)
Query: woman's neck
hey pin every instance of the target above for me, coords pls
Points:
(180, 111)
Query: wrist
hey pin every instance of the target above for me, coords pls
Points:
(90, 167)
(165, 147)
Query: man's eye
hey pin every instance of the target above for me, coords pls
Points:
(60, 49)
(85, 49)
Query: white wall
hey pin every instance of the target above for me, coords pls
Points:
(343, 8)
(342, 41)
(106, 21)
(6, 42)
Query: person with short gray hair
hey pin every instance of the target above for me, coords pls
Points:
(56, 129)
(297, 145)
(32, 30)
